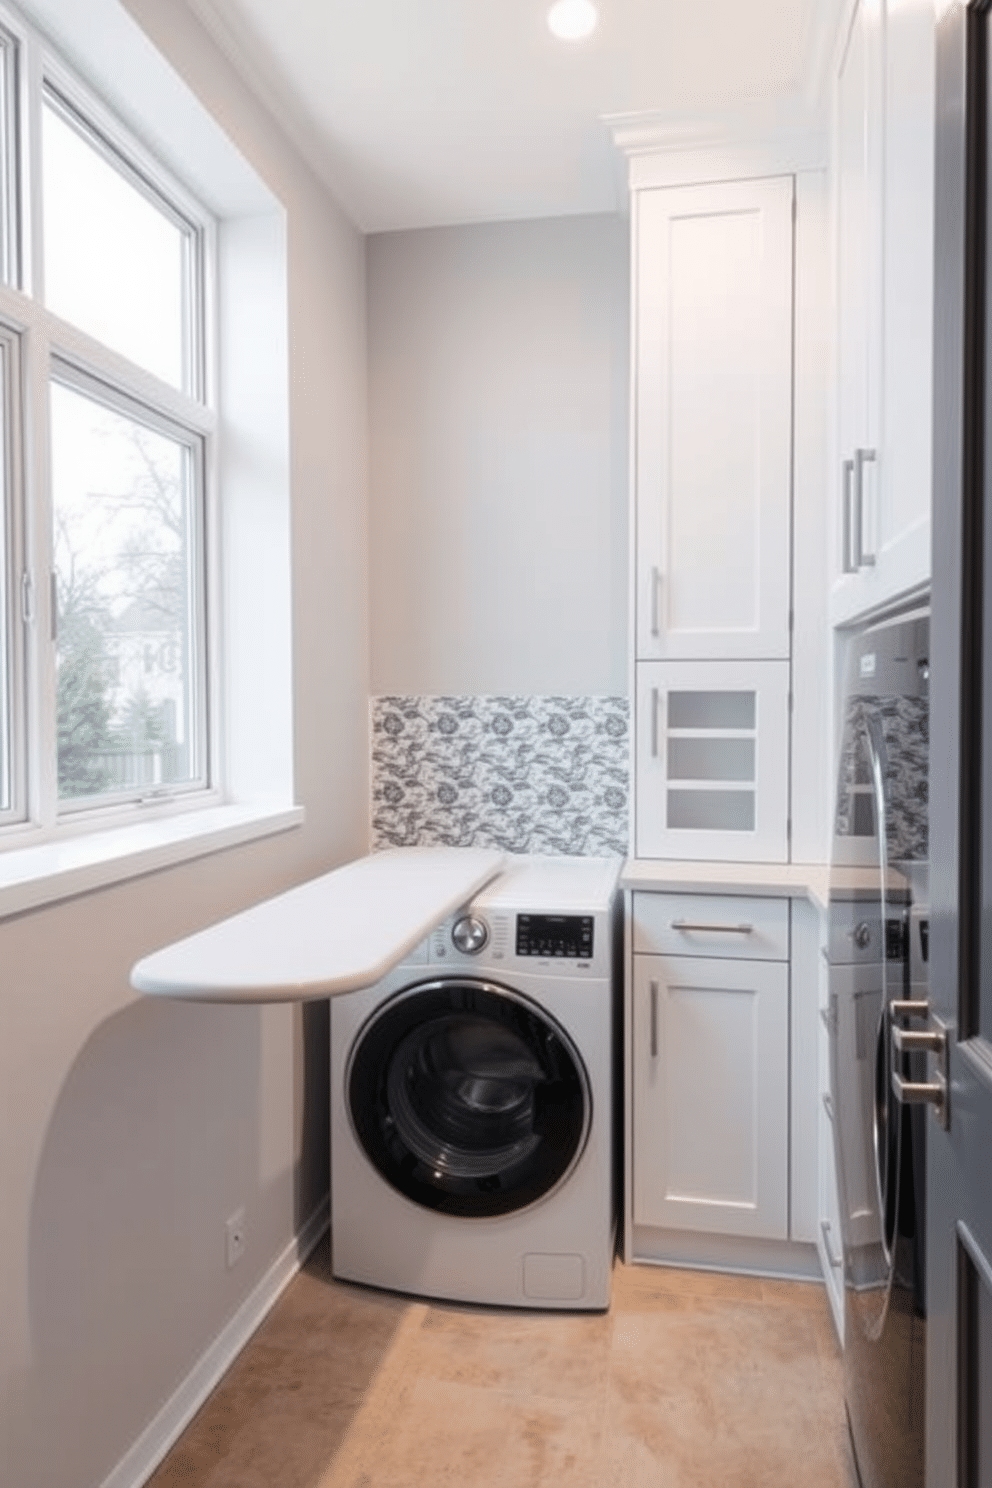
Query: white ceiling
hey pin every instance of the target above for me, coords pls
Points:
(424, 112)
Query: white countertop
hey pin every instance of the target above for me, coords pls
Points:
(765, 880)
(331, 935)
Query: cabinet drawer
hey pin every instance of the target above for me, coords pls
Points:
(729, 925)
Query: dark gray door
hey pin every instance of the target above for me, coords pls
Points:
(959, 1155)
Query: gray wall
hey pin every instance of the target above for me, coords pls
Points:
(131, 1129)
(498, 370)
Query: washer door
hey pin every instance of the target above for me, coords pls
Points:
(468, 1098)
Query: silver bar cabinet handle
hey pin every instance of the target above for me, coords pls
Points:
(742, 929)
(655, 601)
(654, 1020)
(654, 723)
(862, 558)
(835, 1261)
(847, 558)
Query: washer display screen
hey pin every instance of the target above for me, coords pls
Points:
(555, 935)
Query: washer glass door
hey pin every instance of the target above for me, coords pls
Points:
(468, 1098)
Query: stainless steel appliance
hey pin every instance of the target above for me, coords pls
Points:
(878, 952)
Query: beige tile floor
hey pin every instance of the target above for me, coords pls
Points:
(691, 1380)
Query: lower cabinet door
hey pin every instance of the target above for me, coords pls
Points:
(711, 1095)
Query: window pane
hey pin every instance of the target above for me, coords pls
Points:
(711, 811)
(6, 519)
(116, 264)
(716, 710)
(9, 205)
(127, 563)
(710, 759)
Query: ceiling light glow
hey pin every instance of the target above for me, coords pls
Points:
(572, 20)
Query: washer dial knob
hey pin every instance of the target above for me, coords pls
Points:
(469, 935)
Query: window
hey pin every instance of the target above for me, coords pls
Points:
(9, 670)
(126, 503)
(107, 458)
(119, 260)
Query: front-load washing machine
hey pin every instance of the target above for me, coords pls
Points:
(472, 1100)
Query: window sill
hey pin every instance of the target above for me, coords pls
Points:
(43, 874)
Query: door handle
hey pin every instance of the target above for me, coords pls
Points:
(654, 723)
(847, 544)
(835, 1261)
(933, 1092)
(861, 557)
(654, 1020)
(656, 601)
(687, 925)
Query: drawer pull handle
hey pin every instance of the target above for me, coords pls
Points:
(654, 723)
(655, 606)
(654, 1020)
(835, 1261)
(690, 925)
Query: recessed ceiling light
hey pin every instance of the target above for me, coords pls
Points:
(572, 20)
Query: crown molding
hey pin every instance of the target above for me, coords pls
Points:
(779, 133)
(753, 137)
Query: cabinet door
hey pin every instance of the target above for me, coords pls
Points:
(829, 1239)
(711, 1095)
(907, 395)
(712, 760)
(885, 183)
(713, 436)
(859, 283)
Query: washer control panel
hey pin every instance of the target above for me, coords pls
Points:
(555, 936)
(469, 934)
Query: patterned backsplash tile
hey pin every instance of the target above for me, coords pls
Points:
(525, 774)
(905, 727)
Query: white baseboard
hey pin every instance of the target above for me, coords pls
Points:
(141, 1460)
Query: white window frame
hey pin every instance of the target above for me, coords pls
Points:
(48, 854)
(52, 349)
(14, 595)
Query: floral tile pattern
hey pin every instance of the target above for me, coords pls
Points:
(905, 726)
(524, 774)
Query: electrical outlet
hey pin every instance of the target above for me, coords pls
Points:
(236, 1231)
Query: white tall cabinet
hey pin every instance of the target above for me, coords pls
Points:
(713, 329)
(713, 397)
(729, 442)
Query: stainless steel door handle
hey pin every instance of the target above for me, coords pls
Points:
(861, 557)
(921, 1093)
(933, 1092)
(689, 926)
(909, 1008)
(909, 1041)
(654, 723)
(847, 553)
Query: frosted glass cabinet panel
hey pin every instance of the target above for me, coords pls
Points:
(712, 742)
(713, 431)
(711, 1083)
